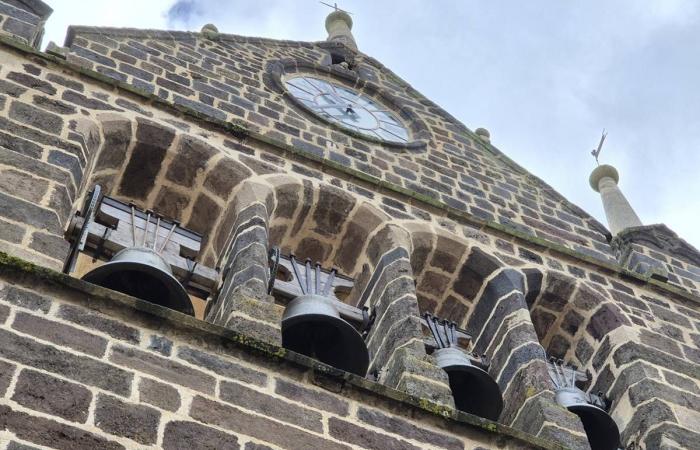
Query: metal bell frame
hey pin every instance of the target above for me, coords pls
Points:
(473, 389)
(601, 429)
(140, 270)
(312, 324)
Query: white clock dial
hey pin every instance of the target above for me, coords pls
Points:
(347, 108)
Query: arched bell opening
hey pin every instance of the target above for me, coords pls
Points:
(592, 409)
(474, 390)
(288, 231)
(186, 176)
(577, 322)
(138, 253)
(447, 282)
(170, 179)
(338, 231)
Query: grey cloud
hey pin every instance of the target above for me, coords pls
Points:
(183, 11)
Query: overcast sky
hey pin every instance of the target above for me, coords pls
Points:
(544, 77)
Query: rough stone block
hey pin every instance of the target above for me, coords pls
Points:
(23, 185)
(189, 161)
(88, 319)
(79, 368)
(7, 370)
(28, 213)
(31, 82)
(407, 429)
(50, 245)
(362, 437)
(181, 435)
(259, 427)
(162, 368)
(36, 117)
(52, 395)
(25, 299)
(159, 394)
(606, 319)
(240, 395)
(60, 334)
(222, 366)
(136, 422)
(314, 398)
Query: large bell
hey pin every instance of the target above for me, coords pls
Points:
(142, 273)
(601, 429)
(311, 325)
(473, 389)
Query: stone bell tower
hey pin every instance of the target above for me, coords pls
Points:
(218, 241)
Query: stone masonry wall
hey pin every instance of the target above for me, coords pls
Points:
(257, 182)
(82, 370)
(24, 19)
(233, 78)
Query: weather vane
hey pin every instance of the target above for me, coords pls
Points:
(596, 152)
(335, 6)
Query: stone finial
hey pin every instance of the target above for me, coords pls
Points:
(339, 26)
(484, 134)
(618, 211)
(210, 31)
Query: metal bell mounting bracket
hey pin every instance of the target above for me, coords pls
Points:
(565, 376)
(106, 225)
(446, 334)
(315, 278)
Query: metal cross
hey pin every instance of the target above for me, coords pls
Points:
(596, 152)
(335, 6)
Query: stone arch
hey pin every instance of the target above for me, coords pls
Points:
(320, 221)
(488, 298)
(590, 325)
(162, 168)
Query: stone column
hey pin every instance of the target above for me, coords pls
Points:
(339, 26)
(618, 211)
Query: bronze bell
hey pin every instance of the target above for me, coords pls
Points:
(601, 429)
(142, 273)
(473, 389)
(312, 326)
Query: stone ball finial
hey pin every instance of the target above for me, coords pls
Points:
(483, 133)
(338, 16)
(600, 172)
(210, 31)
(339, 27)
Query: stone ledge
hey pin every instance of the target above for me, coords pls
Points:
(94, 297)
(239, 131)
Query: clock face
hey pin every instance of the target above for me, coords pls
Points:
(348, 108)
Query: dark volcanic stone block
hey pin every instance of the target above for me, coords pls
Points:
(25, 299)
(136, 422)
(80, 368)
(89, 319)
(259, 427)
(607, 318)
(36, 117)
(140, 173)
(162, 368)
(58, 333)
(362, 437)
(51, 395)
(240, 395)
(221, 366)
(315, 398)
(51, 434)
(180, 435)
(159, 394)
